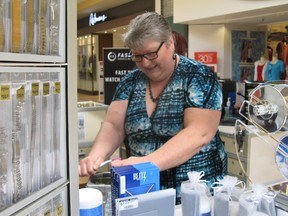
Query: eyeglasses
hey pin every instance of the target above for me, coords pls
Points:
(149, 56)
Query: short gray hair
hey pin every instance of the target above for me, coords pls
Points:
(147, 26)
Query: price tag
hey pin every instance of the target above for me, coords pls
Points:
(57, 88)
(20, 93)
(35, 89)
(126, 203)
(5, 92)
(46, 88)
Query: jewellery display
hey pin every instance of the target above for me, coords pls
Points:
(155, 100)
(29, 147)
(34, 44)
(46, 135)
(16, 25)
(5, 146)
(56, 142)
(17, 143)
(42, 29)
(30, 26)
(54, 27)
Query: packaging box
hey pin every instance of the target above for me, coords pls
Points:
(133, 180)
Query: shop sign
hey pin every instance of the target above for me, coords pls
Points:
(208, 58)
(117, 63)
(93, 19)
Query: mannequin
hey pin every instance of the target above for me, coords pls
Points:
(275, 69)
(281, 50)
(260, 68)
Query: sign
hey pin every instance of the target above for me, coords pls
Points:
(93, 19)
(208, 58)
(117, 64)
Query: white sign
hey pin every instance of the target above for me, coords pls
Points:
(94, 19)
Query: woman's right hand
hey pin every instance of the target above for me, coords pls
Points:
(89, 165)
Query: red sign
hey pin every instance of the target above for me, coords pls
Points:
(206, 57)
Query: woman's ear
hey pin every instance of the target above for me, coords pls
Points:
(172, 42)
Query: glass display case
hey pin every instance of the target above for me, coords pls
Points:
(37, 153)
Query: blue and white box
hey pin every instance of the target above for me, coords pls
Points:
(133, 180)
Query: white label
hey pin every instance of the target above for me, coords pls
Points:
(126, 203)
(122, 184)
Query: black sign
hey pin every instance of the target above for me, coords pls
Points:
(117, 64)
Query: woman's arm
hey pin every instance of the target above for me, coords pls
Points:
(108, 139)
(200, 126)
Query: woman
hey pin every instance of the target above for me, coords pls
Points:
(168, 109)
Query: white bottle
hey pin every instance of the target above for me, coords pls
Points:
(228, 104)
(90, 202)
(227, 108)
(205, 206)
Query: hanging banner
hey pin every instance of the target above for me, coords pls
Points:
(117, 64)
(207, 58)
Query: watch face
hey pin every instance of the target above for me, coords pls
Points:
(281, 156)
(267, 107)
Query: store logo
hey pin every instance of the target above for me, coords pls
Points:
(125, 55)
(112, 56)
(94, 19)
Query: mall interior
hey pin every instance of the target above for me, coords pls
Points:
(67, 81)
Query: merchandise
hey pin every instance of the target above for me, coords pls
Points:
(226, 195)
(90, 202)
(195, 196)
(259, 201)
(133, 180)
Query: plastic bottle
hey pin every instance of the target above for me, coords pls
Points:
(90, 202)
(205, 206)
(228, 103)
(108, 206)
(227, 108)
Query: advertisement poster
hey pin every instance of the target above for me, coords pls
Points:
(117, 64)
(208, 58)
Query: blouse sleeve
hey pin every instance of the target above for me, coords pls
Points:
(204, 90)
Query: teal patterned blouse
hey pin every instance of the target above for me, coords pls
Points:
(192, 85)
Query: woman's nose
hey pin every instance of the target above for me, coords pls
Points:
(145, 62)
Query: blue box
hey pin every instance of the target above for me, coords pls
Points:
(133, 180)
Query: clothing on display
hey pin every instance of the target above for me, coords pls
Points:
(275, 69)
(260, 68)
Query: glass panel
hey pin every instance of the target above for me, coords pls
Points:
(88, 61)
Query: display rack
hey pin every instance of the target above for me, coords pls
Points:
(50, 65)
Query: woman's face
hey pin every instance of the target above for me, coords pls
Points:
(156, 69)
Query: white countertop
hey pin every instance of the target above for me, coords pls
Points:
(230, 130)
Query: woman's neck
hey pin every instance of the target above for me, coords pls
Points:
(262, 60)
(274, 60)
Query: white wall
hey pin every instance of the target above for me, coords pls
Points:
(205, 32)
(189, 10)
(209, 38)
(216, 38)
